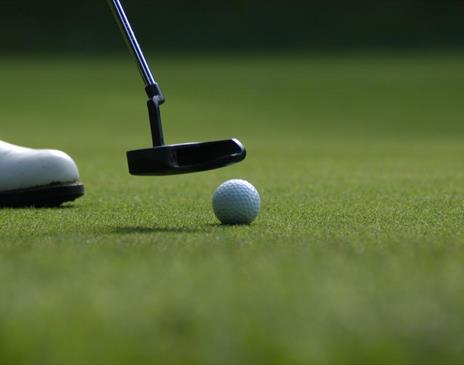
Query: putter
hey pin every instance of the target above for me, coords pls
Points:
(165, 159)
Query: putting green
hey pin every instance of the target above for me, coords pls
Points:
(357, 255)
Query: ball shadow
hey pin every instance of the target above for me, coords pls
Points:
(154, 229)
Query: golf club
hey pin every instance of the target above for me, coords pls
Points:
(163, 159)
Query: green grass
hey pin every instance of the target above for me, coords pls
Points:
(357, 255)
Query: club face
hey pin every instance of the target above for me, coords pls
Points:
(185, 158)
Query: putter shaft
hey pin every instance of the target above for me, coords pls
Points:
(156, 97)
(132, 43)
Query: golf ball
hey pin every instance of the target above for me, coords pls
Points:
(236, 202)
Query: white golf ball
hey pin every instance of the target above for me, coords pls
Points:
(236, 202)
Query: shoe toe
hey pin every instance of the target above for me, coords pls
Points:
(56, 167)
(27, 168)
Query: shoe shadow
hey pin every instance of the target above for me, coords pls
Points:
(39, 207)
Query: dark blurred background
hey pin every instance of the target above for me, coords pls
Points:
(252, 25)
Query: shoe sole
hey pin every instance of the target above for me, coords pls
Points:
(44, 196)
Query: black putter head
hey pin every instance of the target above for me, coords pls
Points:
(173, 159)
(186, 157)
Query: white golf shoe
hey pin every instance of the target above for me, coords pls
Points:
(30, 177)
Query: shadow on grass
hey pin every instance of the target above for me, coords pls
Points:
(154, 229)
(151, 230)
(38, 208)
(226, 226)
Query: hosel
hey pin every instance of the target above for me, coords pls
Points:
(154, 91)
(155, 99)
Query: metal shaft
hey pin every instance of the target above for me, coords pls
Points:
(132, 42)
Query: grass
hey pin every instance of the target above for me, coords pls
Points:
(356, 256)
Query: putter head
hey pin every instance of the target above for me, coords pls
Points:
(184, 158)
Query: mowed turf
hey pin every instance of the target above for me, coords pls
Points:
(357, 255)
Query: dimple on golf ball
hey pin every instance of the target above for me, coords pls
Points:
(236, 202)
